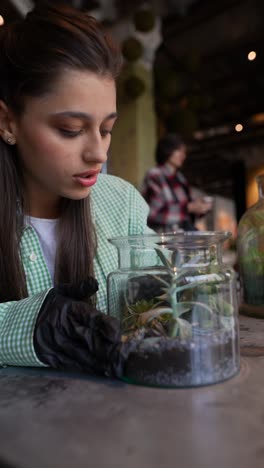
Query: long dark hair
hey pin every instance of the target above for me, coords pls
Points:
(33, 53)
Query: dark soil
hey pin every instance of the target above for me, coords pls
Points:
(171, 362)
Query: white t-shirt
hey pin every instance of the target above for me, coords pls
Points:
(46, 231)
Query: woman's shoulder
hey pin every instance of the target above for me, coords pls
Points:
(114, 191)
(119, 204)
(111, 184)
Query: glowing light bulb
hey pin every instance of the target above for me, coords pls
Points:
(2, 21)
(252, 55)
(239, 128)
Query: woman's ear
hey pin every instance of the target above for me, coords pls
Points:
(7, 125)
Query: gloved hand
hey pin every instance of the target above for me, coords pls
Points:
(71, 334)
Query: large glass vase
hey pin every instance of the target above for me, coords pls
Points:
(251, 255)
(176, 301)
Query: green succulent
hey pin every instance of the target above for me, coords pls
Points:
(168, 313)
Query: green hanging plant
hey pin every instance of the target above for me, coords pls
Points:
(132, 49)
(134, 86)
(144, 20)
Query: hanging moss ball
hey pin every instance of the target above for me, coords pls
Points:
(132, 49)
(144, 20)
(134, 87)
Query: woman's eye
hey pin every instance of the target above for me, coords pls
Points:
(104, 133)
(70, 133)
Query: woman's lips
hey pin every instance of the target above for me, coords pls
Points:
(86, 179)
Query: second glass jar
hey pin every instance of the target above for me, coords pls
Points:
(251, 254)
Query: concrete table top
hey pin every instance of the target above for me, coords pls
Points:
(56, 420)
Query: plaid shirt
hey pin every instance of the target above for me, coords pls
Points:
(118, 210)
(168, 195)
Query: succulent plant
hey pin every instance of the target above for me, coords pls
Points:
(167, 313)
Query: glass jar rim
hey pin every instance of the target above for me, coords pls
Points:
(172, 239)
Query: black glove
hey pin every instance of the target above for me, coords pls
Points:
(71, 334)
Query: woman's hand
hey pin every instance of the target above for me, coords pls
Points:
(71, 334)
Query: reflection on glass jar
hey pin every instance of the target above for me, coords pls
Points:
(177, 301)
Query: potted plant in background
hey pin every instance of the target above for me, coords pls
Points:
(250, 242)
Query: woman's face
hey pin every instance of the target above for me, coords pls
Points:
(63, 138)
(178, 157)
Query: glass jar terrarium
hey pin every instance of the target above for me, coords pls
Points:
(250, 242)
(176, 301)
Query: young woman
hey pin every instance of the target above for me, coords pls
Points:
(167, 191)
(57, 112)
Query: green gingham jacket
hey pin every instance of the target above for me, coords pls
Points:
(118, 210)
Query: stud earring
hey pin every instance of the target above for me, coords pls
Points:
(10, 140)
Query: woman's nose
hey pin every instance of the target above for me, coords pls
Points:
(95, 150)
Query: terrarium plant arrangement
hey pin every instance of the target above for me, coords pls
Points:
(176, 300)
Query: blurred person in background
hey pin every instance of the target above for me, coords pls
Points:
(167, 191)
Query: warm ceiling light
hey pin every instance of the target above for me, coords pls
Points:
(238, 128)
(1, 20)
(252, 55)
